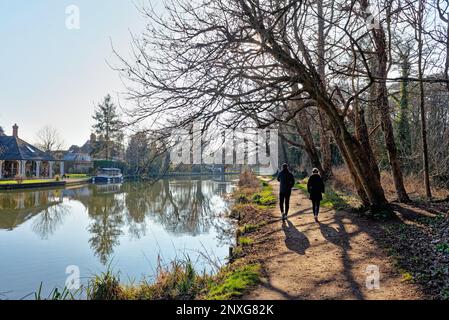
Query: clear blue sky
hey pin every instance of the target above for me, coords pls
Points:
(51, 75)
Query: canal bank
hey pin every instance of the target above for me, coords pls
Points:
(39, 184)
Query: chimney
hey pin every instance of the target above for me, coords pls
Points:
(15, 130)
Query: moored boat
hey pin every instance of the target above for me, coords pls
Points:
(108, 175)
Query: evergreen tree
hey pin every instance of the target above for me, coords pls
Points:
(108, 127)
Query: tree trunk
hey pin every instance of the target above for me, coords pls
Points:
(362, 135)
(309, 146)
(355, 179)
(284, 150)
(356, 158)
(390, 144)
(325, 141)
(422, 103)
(384, 109)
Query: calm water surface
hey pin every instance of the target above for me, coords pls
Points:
(128, 227)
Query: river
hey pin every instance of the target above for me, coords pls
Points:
(47, 234)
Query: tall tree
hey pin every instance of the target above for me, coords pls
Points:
(422, 98)
(138, 154)
(403, 124)
(381, 53)
(325, 141)
(107, 126)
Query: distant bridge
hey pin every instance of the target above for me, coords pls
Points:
(188, 174)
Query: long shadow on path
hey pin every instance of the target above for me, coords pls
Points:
(294, 239)
(339, 237)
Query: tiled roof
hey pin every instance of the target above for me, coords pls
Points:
(77, 157)
(13, 148)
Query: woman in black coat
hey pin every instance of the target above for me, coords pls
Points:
(315, 187)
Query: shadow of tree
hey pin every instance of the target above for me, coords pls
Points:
(341, 238)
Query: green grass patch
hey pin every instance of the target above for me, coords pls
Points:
(331, 198)
(245, 241)
(248, 228)
(265, 197)
(443, 247)
(105, 286)
(406, 276)
(301, 186)
(235, 282)
(76, 175)
(13, 182)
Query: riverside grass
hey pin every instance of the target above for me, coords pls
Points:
(14, 182)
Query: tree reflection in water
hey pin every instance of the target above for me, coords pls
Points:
(48, 220)
(182, 207)
(106, 208)
(188, 207)
(44, 205)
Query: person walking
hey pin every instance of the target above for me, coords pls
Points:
(315, 187)
(287, 181)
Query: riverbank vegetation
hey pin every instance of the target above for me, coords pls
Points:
(28, 181)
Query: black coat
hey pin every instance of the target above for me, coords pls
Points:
(315, 187)
(287, 180)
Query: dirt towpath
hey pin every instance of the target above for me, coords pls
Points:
(329, 260)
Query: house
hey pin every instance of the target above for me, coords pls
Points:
(19, 158)
(78, 162)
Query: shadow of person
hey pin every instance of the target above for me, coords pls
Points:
(338, 237)
(294, 239)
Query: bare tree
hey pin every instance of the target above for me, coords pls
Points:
(223, 62)
(245, 63)
(419, 33)
(48, 139)
(325, 142)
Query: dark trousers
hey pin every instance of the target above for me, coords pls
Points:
(316, 206)
(284, 198)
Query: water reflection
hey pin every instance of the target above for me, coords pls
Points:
(18, 207)
(182, 207)
(49, 219)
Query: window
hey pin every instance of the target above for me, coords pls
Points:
(31, 149)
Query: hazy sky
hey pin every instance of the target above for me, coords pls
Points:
(51, 75)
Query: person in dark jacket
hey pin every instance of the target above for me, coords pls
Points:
(315, 187)
(287, 180)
